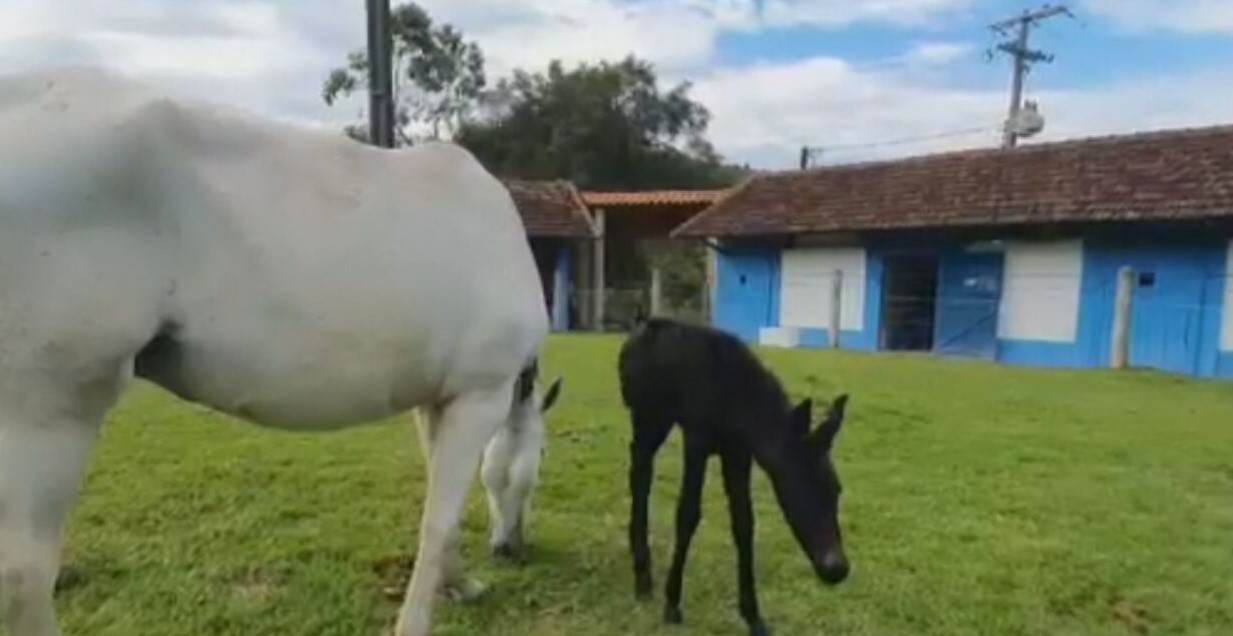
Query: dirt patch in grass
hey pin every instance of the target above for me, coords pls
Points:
(393, 573)
(1133, 617)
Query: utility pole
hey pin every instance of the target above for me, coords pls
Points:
(1024, 57)
(380, 75)
(809, 154)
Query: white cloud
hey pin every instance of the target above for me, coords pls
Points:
(679, 34)
(937, 53)
(270, 56)
(764, 114)
(839, 13)
(1185, 16)
(264, 55)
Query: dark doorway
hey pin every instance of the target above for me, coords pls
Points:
(909, 297)
(546, 253)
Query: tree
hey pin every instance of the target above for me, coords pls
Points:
(438, 76)
(606, 125)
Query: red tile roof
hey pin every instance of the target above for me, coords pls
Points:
(551, 209)
(651, 198)
(1177, 174)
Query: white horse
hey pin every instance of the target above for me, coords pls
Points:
(292, 278)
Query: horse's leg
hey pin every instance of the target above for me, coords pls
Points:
(46, 433)
(688, 515)
(736, 467)
(459, 436)
(649, 435)
(454, 582)
(510, 469)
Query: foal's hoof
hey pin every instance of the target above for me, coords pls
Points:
(465, 591)
(672, 615)
(643, 589)
(759, 629)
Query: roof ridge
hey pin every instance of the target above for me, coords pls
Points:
(1102, 140)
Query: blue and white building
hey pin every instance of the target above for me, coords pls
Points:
(1009, 255)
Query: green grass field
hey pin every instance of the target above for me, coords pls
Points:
(978, 500)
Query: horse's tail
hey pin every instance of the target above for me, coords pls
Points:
(525, 386)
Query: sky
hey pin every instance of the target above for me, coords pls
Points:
(862, 79)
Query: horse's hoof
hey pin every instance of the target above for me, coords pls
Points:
(508, 553)
(643, 589)
(672, 615)
(466, 591)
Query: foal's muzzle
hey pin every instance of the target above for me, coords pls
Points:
(833, 568)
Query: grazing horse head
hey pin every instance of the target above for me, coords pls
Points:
(808, 489)
(511, 464)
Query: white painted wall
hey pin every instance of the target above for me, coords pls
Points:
(1040, 291)
(1226, 337)
(805, 287)
(779, 337)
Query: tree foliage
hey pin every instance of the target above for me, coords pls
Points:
(438, 76)
(606, 125)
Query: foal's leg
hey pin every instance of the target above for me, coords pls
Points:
(454, 582)
(459, 437)
(649, 435)
(736, 465)
(688, 514)
(46, 433)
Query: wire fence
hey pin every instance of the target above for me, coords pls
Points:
(622, 307)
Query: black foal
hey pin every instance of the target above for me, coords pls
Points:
(728, 404)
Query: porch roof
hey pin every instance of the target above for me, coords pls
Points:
(551, 209)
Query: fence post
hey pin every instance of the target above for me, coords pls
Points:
(597, 273)
(656, 291)
(1120, 348)
(708, 292)
(832, 332)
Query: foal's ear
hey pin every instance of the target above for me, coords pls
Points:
(550, 397)
(800, 418)
(824, 437)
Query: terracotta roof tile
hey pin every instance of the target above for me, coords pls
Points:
(551, 208)
(1177, 174)
(654, 197)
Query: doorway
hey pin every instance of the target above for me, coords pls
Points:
(909, 302)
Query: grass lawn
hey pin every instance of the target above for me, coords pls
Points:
(978, 500)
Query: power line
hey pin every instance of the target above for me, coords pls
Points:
(811, 154)
(908, 140)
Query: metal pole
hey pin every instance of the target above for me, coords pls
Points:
(380, 75)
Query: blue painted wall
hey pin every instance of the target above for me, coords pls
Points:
(966, 315)
(1035, 353)
(1175, 320)
(1224, 365)
(747, 290)
(1175, 326)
